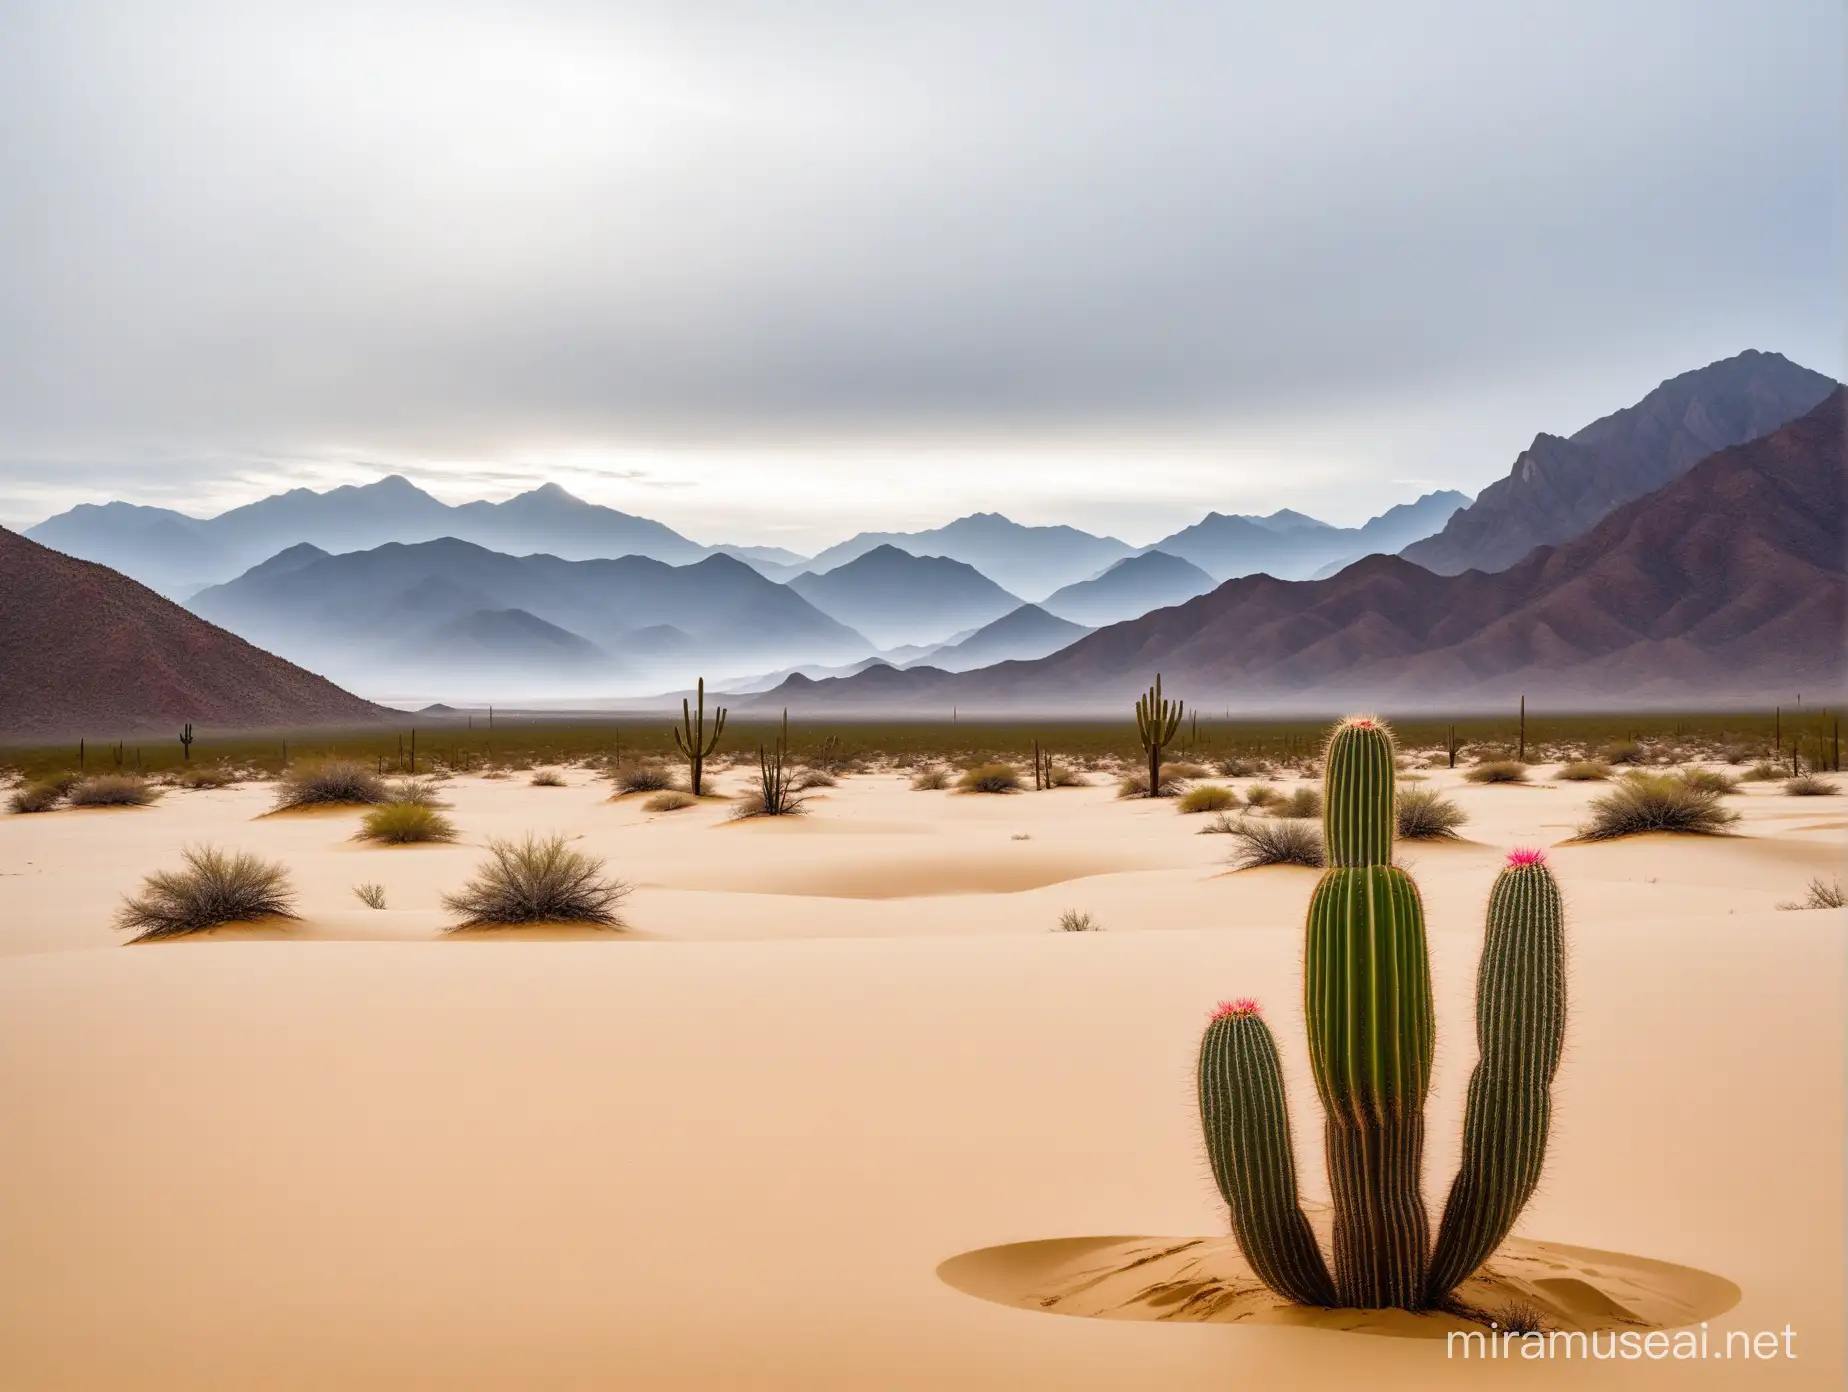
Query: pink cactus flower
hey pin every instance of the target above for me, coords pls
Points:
(1244, 1005)
(1362, 722)
(1527, 855)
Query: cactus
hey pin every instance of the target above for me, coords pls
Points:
(693, 742)
(1367, 998)
(1520, 1028)
(186, 739)
(773, 774)
(1247, 1127)
(1157, 720)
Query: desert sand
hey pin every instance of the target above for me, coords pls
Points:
(762, 1137)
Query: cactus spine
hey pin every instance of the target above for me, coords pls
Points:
(691, 738)
(1520, 1028)
(1245, 1118)
(1157, 720)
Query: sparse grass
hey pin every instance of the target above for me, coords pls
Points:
(548, 778)
(1621, 752)
(1709, 780)
(41, 796)
(812, 778)
(1208, 797)
(1065, 776)
(1262, 795)
(207, 776)
(1764, 771)
(215, 887)
(405, 823)
(1809, 785)
(1184, 769)
(990, 778)
(1584, 771)
(539, 879)
(1299, 802)
(1498, 771)
(371, 895)
(1136, 784)
(1076, 921)
(669, 800)
(1641, 802)
(1428, 816)
(1277, 841)
(643, 778)
(1822, 895)
(422, 791)
(931, 780)
(324, 782)
(112, 790)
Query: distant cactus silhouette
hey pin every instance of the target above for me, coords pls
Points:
(186, 739)
(693, 742)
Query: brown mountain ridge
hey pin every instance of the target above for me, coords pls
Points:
(86, 650)
(1726, 584)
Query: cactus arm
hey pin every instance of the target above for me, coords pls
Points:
(1244, 1116)
(1520, 1030)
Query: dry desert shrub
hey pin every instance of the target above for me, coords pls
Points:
(669, 800)
(1076, 921)
(1809, 785)
(1184, 769)
(990, 778)
(643, 778)
(40, 796)
(812, 778)
(371, 895)
(1065, 776)
(1233, 767)
(1498, 771)
(1764, 771)
(1621, 752)
(548, 778)
(1301, 802)
(1277, 841)
(931, 780)
(112, 790)
(1428, 816)
(1261, 796)
(1584, 771)
(422, 791)
(1709, 780)
(538, 879)
(207, 776)
(1822, 895)
(214, 887)
(1208, 797)
(1136, 784)
(1641, 802)
(405, 823)
(325, 782)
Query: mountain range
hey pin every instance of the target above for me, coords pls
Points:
(1227, 547)
(1724, 583)
(89, 651)
(1130, 588)
(894, 597)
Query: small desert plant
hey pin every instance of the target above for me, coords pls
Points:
(1184, 770)
(931, 780)
(537, 880)
(1239, 768)
(1136, 784)
(215, 887)
(1065, 776)
(1157, 721)
(1076, 921)
(112, 790)
(1498, 771)
(207, 776)
(990, 778)
(1277, 841)
(1428, 816)
(775, 794)
(691, 739)
(403, 823)
(1822, 895)
(1621, 752)
(1521, 1317)
(1738, 753)
(422, 791)
(1764, 771)
(1223, 823)
(1803, 785)
(548, 778)
(669, 800)
(1208, 797)
(1584, 771)
(1262, 795)
(813, 778)
(371, 895)
(41, 796)
(642, 778)
(1301, 802)
(1641, 802)
(320, 782)
(1709, 780)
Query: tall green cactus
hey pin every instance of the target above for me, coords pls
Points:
(1520, 1029)
(1367, 999)
(1246, 1121)
(692, 741)
(1157, 720)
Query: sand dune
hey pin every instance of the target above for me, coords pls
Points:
(733, 1146)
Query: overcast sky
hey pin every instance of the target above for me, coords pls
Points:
(776, 272)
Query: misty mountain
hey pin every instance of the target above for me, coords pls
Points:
(1028, 632)
(1131, 588)
(894, 597)
(90, 652)
(1728, 583)
(1561, 488)
(178, 554)
(1025, 560)
(414, 612)
(1291, 547)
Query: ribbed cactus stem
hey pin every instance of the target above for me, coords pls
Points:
(1357, 790)
(1367, 996)
(1245, 1119)
(1520, 1029)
